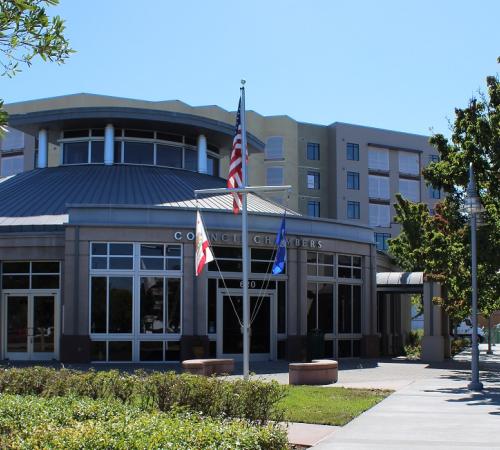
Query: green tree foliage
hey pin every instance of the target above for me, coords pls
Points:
(26, 31)
(439, 244)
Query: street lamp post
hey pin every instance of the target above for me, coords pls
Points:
(474, 207)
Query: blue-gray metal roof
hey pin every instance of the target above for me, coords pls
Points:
(42, 196)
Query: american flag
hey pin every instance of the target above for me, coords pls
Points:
(235, 178)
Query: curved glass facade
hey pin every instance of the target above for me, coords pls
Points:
(136, 147)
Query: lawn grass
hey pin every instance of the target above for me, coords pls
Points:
(328, 405)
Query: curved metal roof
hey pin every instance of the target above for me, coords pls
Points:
(42, 196)
(400, 278)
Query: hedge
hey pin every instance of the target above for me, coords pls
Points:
(252, 400)
(28, 422)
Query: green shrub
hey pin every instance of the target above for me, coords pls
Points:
(252, 400)
(458, 344)
(413, 347)
(28, 422)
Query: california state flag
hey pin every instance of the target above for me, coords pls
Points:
(203, 252)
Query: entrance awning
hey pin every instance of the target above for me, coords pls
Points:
(404, 282)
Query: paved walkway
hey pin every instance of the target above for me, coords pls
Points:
(435, 410)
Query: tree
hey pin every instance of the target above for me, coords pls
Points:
(26, 31)
(439, 244)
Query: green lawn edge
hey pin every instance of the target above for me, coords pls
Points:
(329, 405)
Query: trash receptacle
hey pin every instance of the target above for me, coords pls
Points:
(315, 344)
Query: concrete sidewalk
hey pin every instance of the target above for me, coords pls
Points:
(435, 411)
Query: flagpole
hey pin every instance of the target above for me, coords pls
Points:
(244, 240)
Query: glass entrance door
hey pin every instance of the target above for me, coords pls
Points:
(30, 324)
(230, 343)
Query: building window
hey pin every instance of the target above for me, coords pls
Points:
(320, 264)
(320, 307)
(353, 180)
(274, 176)
(378, 159)
(349, 309)
(313, 180)
(382, 241)
(262, 260)
(313, 208)
(410, 189)
(227, 259)
(312, 151)
(138, 152)
(434, 158)
(434, 193)
(352, 151)
(31, 275)
(408, 163)
(12, 140)
(11, 165)
(379, 215)
(274, 147)
(378, 187)
(353, 210)
(349, 266)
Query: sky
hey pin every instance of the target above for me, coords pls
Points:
(400, 65)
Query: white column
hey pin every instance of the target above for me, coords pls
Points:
(43, 145)
(109, 145)
(202, 154)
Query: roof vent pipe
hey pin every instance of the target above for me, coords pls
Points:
(202, 154)
(109, 139)
(43, 144)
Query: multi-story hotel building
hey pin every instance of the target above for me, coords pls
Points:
(96, 232)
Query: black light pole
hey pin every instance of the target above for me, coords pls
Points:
(473, 204)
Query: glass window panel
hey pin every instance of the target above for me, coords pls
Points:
(356, 261)
(378, 159)
(146, 134)
(152, 264)
(344, 308)
(325, 307)
(99, 262)
(379, 215)
(409, 163)
(344, 260)
(312, 151)
(190, 159)
(174, 306)
(120, 305)
(72, 134)
(76, 153)
(98, 351)
(356, 348)
(325, 258)
(152, 311)
(45, 282)
(97, 152)
(312, 269)
(344, 348)
(117, 152)
(11, 165)
(172, 351)
(45, 267)
(212, 306)
(121, 249)
(15, 282)
(356, 273)
(311, 306)
(325, 271)
(410, 189)
(98, 305)
(120, 351)
(261, 267)
(17, 324)
(274, 147)
(378, 187)
(274, 176)
(97, 132)
(169, 137)
(43, 324)
(173, 250)
(138, 153)
(152, 250)
(356, 309)
(227, 252)
(99, 249)
(151, 351)
(168, 155)
(173, 264)
(312, 257)
(118, 132)
(352, 151)
(282, 307)
(121, 263)
(16, 267)
(344, 272)
(213, 166)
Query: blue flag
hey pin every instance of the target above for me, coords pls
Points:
(280, 259)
